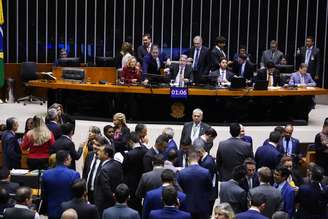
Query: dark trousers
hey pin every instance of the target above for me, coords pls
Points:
(199, 215)
(37, 164)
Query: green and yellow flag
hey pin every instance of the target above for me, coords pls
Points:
(2, 72)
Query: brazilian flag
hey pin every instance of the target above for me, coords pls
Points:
(2, 72)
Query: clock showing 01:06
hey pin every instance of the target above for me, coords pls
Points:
(179, 92)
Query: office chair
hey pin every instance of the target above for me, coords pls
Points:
(28, 72)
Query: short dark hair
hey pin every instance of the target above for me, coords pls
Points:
(310, 37)
(146, 35)
(239, 172)
(4, 173)
(106, 127)
(279, 129)
(134, 137)
(168, 176)
(257, 199)
(242, 47)
(235, 129)
(169, 195)
(249, 160)
(158, 160)
(221, 59)
(172, 155)
(162, 139)
(275, 136)
(242, 56)
(154, 46)
(109, 150)
(220, 39)
(22, 194)
(67, 128)
(122, 193)
(61, 156)
(193, 155)
(302, 65)
(211, 132)
(10, 123)
(4, 196)
(317, 173)
(283, 171)
(79, 188)
(101, 139)
(139, 127)
(270, 65)
(186, 141)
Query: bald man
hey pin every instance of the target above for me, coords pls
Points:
(69, 214)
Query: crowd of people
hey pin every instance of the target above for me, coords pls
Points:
(203, 65)
(125, 177)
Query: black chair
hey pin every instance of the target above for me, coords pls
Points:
(28, 73)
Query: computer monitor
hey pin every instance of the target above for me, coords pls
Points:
(69, 62)
(238, 83)
(157, 79)
(105, 61)
(285, 68)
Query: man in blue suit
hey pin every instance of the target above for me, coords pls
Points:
(301, 77)
(10, 146)
(245, 137)
(171, 203)
(287, 192)
(268, 155)
(197, 184)
(57, 184)
(258, 202)
(153, 199)
(153, 62)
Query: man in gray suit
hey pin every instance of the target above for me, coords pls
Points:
(121, 209)
(273, 196)
(271, 55)
(231, 153)
(231, 192)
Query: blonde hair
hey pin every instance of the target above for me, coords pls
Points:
(40, 133)
(120, 117)
(126, 48)
(224, 208)
(128, 63)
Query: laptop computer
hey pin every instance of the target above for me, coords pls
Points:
(238, 83)
(261, 85)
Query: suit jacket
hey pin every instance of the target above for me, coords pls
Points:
(216, 55)
(296, 151)
(150, 180)
(171, 145)
(231, 153)
(133, 167)
(295, 79)
(110, 176)
(149, 65)
(204, 60)
(232, 193)
(120, 144)
(255, 182)
(11, 150)
(268, 56)
(57, 188)
(168, 213)
(10, 187)
(321, 156)
(288, 195)
(273, 196)
(153, 201)
(199, 191)
(21, 213)
(65, 143)
(248, 139)
(187, 128)
(141, 53)
(250, 214)
(179, 162)
(174, 70)
(83, 209)
(262, 76)
(267, 156)
(248, 70)
(148, 160)
(312, 200)
(216, 73)
(54, 128)
(209, 163)
(120, 211)
(314, 62)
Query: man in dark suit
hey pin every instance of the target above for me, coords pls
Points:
(197, 184)
(222, 75)
(153, 62)
(243, 68)
(141, 130)
(10, 187)
(287, 192)
(22, 209)
(310, 55)
(218, 52)
(290, 146)
(159, 148)
(273, 196)
(171, 203)
(195, 128)
(181, 73)
(231, 153)
(64, 142)
(206, 140)
(133, 168)
(242, 51)
(200, 58)
(271, 55)
(182, 153)
(258, 204)
(268, 155)
(121, 209)
(57, 184)
(245, 137)
(110, 175)
(153, 199)
(270, 74)
(144, 49)
(52, 122)
(10, 147)
(252, 179)
(231, 192)
(152, 179)
(80, 203)
(171, 144)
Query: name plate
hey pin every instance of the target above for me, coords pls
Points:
(179, 92)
